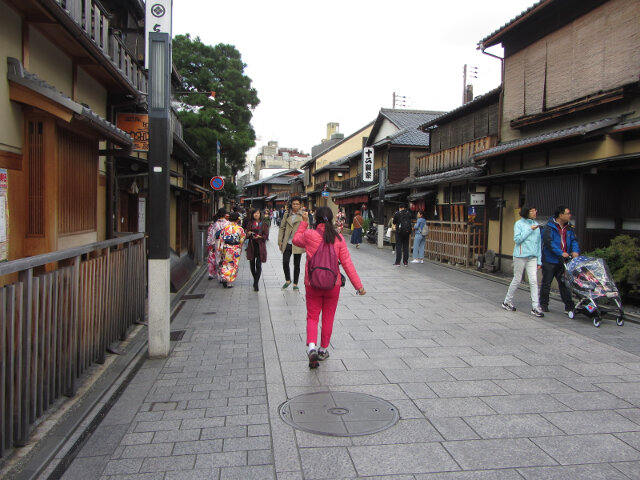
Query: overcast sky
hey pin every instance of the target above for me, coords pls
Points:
(340, 61)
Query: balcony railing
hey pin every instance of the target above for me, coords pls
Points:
(452, 158)
(356, 182)
(93, 19)
(56, 322)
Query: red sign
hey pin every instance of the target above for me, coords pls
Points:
(217, 183)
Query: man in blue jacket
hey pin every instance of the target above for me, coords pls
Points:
(558, 245)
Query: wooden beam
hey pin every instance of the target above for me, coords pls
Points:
(10, 160)
(19, 93)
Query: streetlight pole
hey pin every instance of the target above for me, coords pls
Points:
(160, 143)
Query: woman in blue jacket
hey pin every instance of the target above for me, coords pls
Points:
(527, 255)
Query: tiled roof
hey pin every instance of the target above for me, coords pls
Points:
(477, 102)
(481, 43)
(408, 118)
(340, 164)
(409, 136)
(633, 124)
(520, 143)
(16, 73)
(278, 179)
(435, 178)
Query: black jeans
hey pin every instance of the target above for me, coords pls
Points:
(402, 247)
(255, 264)
(286, 256)
(549, 272)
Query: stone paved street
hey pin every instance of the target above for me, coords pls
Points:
(482, 393)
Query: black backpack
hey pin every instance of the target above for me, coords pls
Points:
(404, 222)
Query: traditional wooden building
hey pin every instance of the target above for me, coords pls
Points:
(321, 178)
(73, 196)
(441, 182)
(271, 192)
(569, 128)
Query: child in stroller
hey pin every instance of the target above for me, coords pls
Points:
(590, 282)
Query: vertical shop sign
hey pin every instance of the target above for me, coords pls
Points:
(4, 215)
(367, 164)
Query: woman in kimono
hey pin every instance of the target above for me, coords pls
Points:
(230, 246)
(213, 260)
(340, 219)
(213, 237)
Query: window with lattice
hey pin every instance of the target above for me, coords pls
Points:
(77, 183)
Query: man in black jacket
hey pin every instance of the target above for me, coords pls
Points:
(402, 221)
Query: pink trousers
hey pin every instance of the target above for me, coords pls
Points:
(325, 301)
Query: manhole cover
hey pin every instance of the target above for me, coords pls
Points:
(340, 414)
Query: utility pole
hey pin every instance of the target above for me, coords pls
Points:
(467, 90)
(399, 100)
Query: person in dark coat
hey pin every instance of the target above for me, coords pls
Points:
(257, 234)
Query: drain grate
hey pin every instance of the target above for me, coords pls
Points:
(176, 335)
(192, 296)
(339, 414)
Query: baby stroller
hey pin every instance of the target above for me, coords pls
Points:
(590, 282)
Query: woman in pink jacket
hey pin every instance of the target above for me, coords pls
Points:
(318, 300)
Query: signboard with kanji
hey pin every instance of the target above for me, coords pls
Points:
(4, 215)
(136, 125)
(158, 16)
(367, 164)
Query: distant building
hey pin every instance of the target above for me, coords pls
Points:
(272, 157)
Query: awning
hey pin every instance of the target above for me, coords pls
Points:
(200, 188)
(628, 157)
(252, 199)
(182, 189)
(419, 195)
(436, 178)
(27, 88)
(270, 197)
(389, 196)
(354, 199)
(549, 137)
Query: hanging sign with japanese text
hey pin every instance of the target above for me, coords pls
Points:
(4, 215)
(367, 164)
(136, 125)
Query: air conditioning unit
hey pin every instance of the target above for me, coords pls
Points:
(339, 174)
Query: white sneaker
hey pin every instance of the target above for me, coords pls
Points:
(508, 306)
(415, 260)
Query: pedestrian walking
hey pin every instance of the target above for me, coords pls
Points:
(402, 221)
(356, 233)
(559, 243)
(231, 238)
(266, 217)
(288, 227)
(420, 237)
(318, 300)
(213, 238)
(211, 246)
(392, 234)
(257, 234)
(311, 214)
(340, 219)
(275, 217)
(527, 256)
